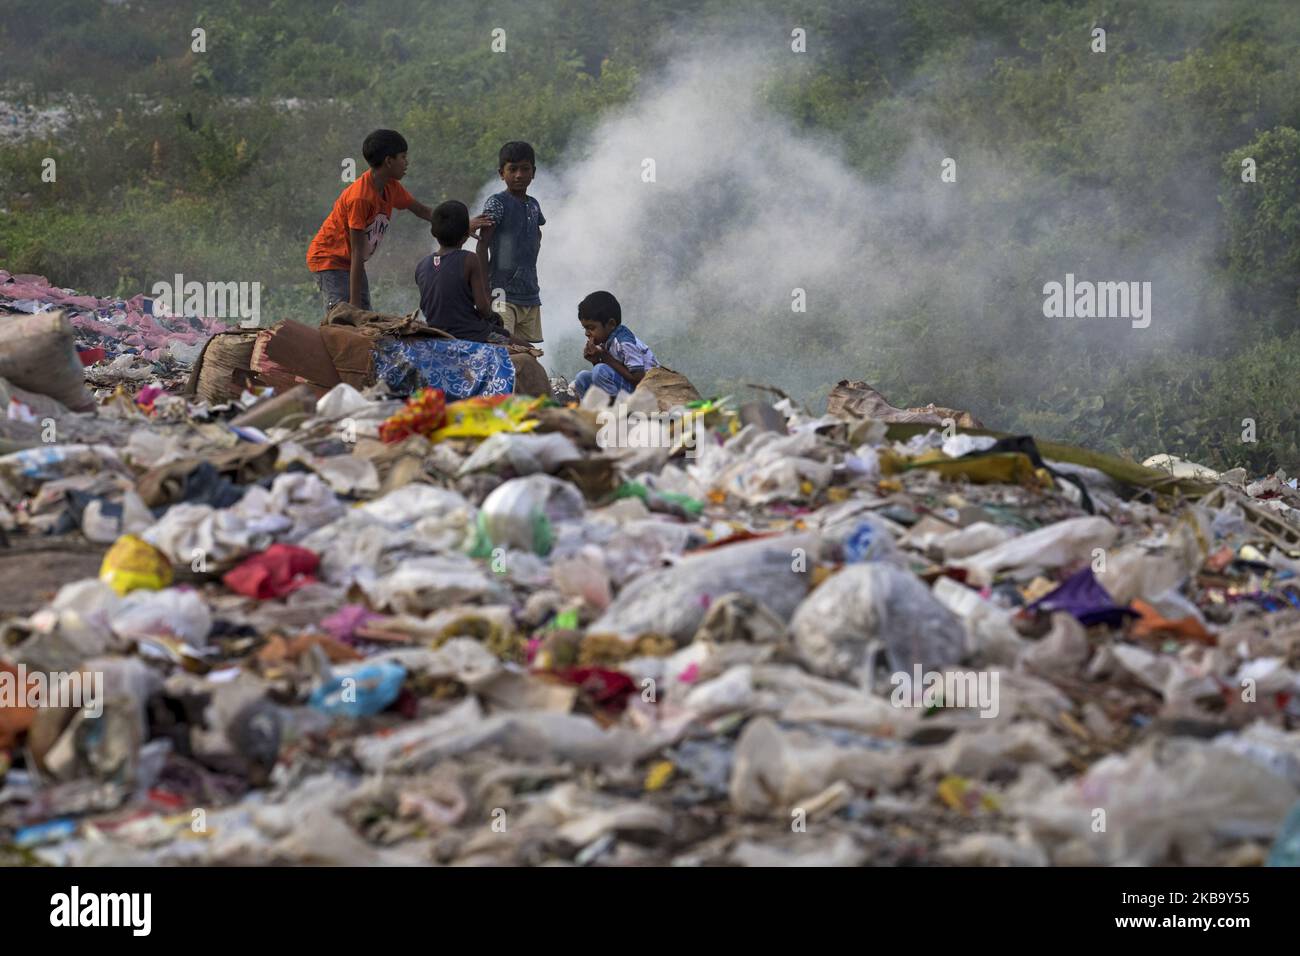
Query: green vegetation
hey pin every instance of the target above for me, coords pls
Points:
(224, 163)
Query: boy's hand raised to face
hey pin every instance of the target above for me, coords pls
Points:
(591, 351)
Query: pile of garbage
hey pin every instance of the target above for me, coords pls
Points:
(334, 626)
(129, 341)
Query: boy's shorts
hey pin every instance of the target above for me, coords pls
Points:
(524, 321)
(333, 285)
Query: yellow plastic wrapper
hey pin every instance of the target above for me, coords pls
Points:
(132, 563)
(659, 775)
(965, 796)
(486, 415)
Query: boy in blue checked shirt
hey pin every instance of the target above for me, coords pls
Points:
(620, 359)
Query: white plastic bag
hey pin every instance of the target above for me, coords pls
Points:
(522, 512)
(182, 614)
(1050, 547)
(863, 603)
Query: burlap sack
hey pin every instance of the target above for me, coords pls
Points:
(39, 353)
(216, 376)
(669, 388)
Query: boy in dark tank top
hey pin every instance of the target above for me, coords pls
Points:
(453, 288)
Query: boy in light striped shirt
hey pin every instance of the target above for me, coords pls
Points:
(619, 359)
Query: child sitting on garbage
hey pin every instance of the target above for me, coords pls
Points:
(618, 357)
(453, 290)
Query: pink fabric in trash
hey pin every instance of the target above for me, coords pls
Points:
(343, 624)
(134, 328)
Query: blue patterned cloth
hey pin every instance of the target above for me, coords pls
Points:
(461, 369)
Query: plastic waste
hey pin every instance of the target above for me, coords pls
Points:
(757, 467)
(360, 691)
(523, 513)
(583, 575)
(865, 603)
(1272, 748)
(339, 401)
(961, 444)
(424, 413)
(1081, 595)
(973, 539)
(134, 563)
(531, 736)
(1148, 568)
(167, 613)
(1181, 468)
(81, 613)
(1286, 848)
(345, 474)
(1052, 546)
(524, 454)
(29, 468)
(869, 541)
(864, 463)
(655, 498)
(775, 771)
(486, 415)
(296, 504)
(51, 831)
(427, 583)
(673, 601)
(990, 634)
(1164, 801)
(106, 742)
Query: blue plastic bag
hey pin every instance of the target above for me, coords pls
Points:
(361, 691)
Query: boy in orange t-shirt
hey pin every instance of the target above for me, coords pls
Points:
(361, 215)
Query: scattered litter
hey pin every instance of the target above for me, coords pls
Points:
(354, 621)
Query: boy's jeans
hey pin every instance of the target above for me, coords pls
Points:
(604, 378)
(333, 285)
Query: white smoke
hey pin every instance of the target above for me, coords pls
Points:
(745, 208)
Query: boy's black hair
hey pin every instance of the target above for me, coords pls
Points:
(381, 144)
(600, 307)
(450, 222)
(515, 151)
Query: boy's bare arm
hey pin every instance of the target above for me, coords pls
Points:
(357, 270)
(478, 288)
(484, 227)
(421, 210)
